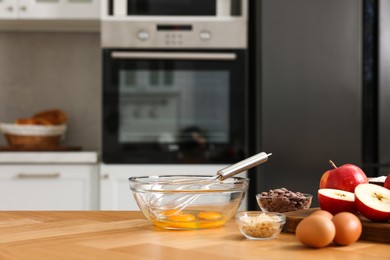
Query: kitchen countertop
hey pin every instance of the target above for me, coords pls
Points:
(48, 157)
(128, 235)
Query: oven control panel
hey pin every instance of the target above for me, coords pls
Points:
(172, 38)
(149, 34)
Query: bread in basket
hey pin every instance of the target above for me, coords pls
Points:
(44, 129)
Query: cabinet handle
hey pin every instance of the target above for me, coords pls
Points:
(23, 8)
(10, 8)
(175, 55)
(38, 175)
(105, 176)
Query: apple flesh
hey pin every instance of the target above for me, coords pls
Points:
(373, 202)
(336, 201)
(387, 182)
(345, 177)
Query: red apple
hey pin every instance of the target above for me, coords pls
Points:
(387, 182)
(324, 179)
(336, 201)
(373, 201)
(345, 177)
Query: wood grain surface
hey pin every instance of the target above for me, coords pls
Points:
(128, 235)
(372, 231)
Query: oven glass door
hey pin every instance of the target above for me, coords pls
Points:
(169, 7)
(173, 107)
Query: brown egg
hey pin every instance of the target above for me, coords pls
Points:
(348, 228)
(323, 213)
(315, 231)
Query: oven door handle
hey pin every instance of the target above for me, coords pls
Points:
(173, 55)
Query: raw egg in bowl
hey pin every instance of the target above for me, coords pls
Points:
(188, 201)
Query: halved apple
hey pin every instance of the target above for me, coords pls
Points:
(386, 184)
(336, 201)
(373, 201)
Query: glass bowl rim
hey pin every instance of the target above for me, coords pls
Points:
(307, 195)
(282, 217)
(138, 179)
(141, 183)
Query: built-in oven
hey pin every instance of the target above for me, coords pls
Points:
(173, 106)
(174, 81)
(174, 90)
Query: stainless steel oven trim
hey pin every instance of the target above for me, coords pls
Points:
(222, 7)
(173, 56)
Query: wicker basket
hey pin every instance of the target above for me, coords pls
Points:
(35, 141)
(32, 136)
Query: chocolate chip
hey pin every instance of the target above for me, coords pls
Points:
(283, 200)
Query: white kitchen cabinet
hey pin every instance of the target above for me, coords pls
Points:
(115, 193)
(8, 9)
(48, 181)
(50, 9)
(48, 187)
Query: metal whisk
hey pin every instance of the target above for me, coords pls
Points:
(180, 203)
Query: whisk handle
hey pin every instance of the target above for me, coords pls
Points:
(243, 165)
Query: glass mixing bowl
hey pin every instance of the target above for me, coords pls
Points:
(188, 201)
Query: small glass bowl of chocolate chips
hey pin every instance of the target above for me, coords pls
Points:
(282, 200)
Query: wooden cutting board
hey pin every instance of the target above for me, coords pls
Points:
(372, 231)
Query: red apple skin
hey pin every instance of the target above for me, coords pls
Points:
(324, 179)
(346, 177)
(370, 212)
(335, 206)
(387, 182)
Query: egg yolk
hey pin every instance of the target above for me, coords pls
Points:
(174, 218)
(170, 212)
(212, 224)
(209, 215)
(173, 224)
(182, 217)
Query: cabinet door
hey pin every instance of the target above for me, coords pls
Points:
(115, 193)
(39, 9)
(59, 9)
(48, 187)
(81, 9)
(8, 9)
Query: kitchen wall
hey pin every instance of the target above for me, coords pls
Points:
(44, 70)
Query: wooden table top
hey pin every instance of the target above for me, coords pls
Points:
(128, 235)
